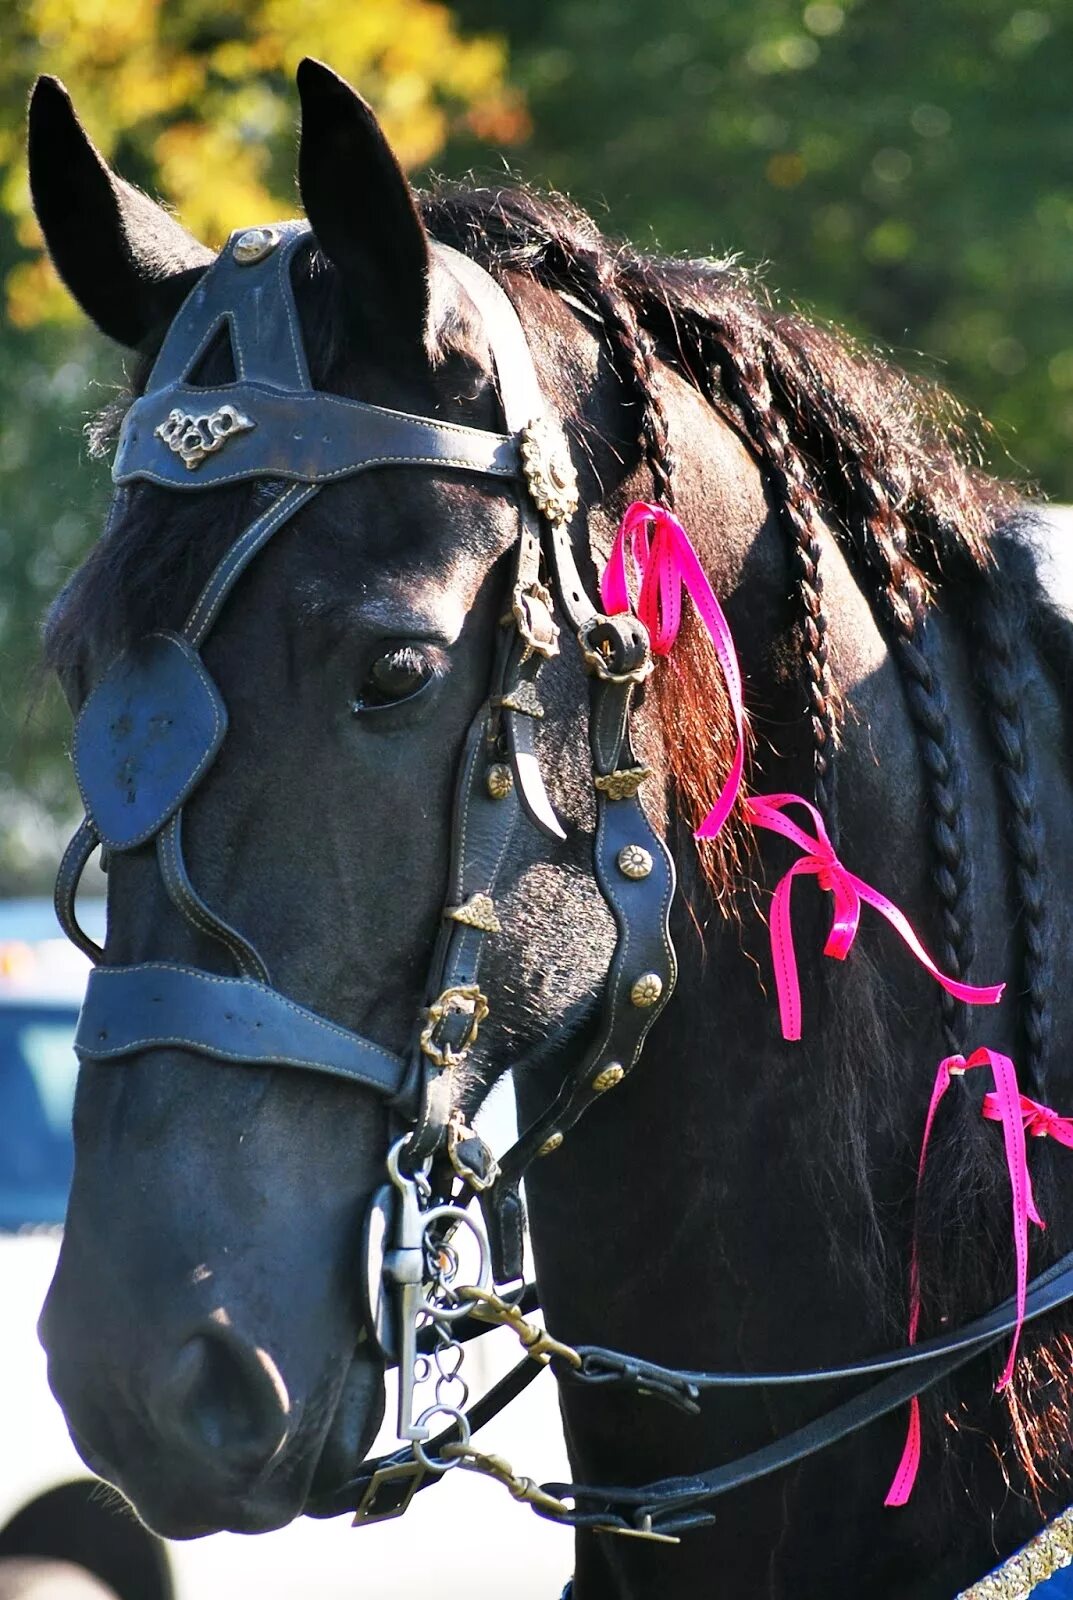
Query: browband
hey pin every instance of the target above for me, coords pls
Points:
(327, 437)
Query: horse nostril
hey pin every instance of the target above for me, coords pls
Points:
(223, 1399)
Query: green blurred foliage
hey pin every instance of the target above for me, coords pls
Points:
(196, 102)
(904, 169)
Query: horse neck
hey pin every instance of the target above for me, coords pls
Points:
(719, 1209)
(746, 1203)
(761, 1136)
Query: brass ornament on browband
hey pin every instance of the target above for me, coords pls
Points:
(192, 438)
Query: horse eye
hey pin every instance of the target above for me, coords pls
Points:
(398, 675)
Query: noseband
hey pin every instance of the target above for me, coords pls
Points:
(152, 728)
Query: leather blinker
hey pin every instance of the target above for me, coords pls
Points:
(145, 738)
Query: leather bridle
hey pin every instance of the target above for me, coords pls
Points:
(152, 727)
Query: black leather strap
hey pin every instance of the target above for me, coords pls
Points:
(255, 301)
(312, 437)
(233, 564)
(486, 815)
(673, 1505)
(644, 952)
(1049, 1290)
(183, 895)
(83, 843)
(160, 1005)
(519, 388)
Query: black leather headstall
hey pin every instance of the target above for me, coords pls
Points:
(153, 725)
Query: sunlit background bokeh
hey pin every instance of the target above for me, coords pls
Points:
(906, 170)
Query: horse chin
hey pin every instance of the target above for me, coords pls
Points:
(354, 1425)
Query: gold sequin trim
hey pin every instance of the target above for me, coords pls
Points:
(1038, 1560)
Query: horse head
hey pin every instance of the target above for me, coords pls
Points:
(204, 1331)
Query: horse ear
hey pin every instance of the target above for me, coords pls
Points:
(359, 204)
(126, 261)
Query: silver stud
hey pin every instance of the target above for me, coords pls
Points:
(646, 989)
(634, 861)
(253, 245)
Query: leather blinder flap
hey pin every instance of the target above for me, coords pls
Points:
(145, 738)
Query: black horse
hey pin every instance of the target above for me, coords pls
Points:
(738, 1202)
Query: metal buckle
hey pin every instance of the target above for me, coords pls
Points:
(459, 1134)
(645, 1531)
(408, 1475)
(598, 652)
(531, 611)
(465, 1000)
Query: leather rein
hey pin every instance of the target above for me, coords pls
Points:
(151, 729)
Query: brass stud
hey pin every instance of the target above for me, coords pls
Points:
(478, 912)
(499, 780)
(608, 1078)
(253, 245)
(634, 861)
(646, 989)
(623, 783)
(552, 1142)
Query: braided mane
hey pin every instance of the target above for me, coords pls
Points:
(847, 441)
(888, 465)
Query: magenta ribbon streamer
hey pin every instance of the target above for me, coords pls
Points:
(1007, 1105)
(1039, 1121)
(665, 562)
(820, 861)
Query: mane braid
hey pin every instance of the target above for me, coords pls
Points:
(1002, 689)
(746, 382)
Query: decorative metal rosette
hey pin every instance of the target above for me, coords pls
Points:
(193, 438)
(549, 471)
(623, 783)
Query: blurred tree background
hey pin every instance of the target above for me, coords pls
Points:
(906, 170)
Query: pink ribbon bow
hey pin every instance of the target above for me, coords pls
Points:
(821, 862)
(1016, 1112)
(665, 562)
(1039, 1121)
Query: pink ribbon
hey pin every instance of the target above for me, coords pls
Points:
(1038, 1120)
(665, 562)
(821, 862)
(1016, 1112)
